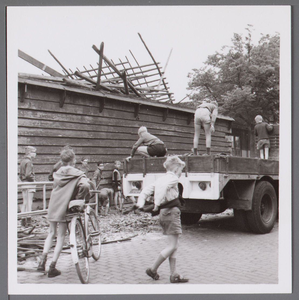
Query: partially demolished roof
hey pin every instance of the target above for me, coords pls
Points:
(126, 77)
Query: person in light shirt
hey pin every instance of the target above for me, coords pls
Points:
(148, 145)
(205, 116)
(166, 200)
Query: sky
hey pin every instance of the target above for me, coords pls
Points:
(192, 32)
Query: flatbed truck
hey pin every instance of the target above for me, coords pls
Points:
(214, 183)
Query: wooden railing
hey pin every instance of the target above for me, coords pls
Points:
(42, 185)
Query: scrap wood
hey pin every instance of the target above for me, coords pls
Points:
(120, 240)
(21, 269)
(26, 237)
(28, 249)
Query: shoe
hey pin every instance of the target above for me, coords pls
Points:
(41, 266)
(53, 272)
(176, 278)
(152, 274)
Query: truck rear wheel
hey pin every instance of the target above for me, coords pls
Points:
(190, 218)
(262, 217)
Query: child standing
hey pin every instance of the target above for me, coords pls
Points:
(84, 166)
(116, 184)
(166, 200)
(69, 183)
(205, 116)
(97, 175)
(27, 175)
(261, 130)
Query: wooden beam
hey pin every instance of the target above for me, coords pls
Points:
(104, 87)
(39, 64)
(23, 92)
(116, 70)
(165, 114)
(60, 64)
(136, 111)
(154, 62)
(124, 77)
(100, 65)
(62, 99)
(102, 104)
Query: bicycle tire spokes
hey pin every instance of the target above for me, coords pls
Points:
(79, 250)
(94, 235)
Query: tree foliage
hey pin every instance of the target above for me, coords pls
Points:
(243, 78)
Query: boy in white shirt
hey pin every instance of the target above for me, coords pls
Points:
(166, 198)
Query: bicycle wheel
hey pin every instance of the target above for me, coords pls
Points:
(95, 235)
(79, 249)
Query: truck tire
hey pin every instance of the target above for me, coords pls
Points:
(262, 217)
(241, 220)
(190, 218)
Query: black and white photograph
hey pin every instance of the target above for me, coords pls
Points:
(149, 150)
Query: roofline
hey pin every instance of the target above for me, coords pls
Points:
(129, 99)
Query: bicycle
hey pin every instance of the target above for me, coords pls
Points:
(85, 237)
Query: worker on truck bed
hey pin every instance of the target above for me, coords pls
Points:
(148, 145)
(205, 116)
(261, 130)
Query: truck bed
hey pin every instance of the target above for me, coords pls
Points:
(206, 164)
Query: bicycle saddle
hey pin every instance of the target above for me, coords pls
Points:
(76, 205)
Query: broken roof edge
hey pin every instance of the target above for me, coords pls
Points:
(57, 83)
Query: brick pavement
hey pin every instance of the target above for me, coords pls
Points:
(213, 252)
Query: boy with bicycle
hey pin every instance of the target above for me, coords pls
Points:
(69, 184)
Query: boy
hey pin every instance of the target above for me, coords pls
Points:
(97, 175)
(166, 199)
(148, 145)
(27, 175)
(69, 184)
(84, 166)
(261, 130)
(105, 197)
(116, 185)
(205, 116)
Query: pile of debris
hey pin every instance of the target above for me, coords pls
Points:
(115, 227)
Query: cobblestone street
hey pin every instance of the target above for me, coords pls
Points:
(211, 252)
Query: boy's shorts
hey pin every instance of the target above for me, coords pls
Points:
(202, 116)
(264, 143)
(170, 220)
(158, 150)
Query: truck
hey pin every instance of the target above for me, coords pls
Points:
(214, 183)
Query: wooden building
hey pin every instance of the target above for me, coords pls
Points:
(100, 125)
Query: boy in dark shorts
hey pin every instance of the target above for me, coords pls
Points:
(166, 199)
(69, 184)
(148, 145)
(261, 130)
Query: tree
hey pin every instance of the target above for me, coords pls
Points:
(243, 78)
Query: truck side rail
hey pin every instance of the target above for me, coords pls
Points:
(206, 164)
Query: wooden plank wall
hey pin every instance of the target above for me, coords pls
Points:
(105, 136)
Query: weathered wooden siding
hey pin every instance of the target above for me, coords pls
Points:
(100, 136)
